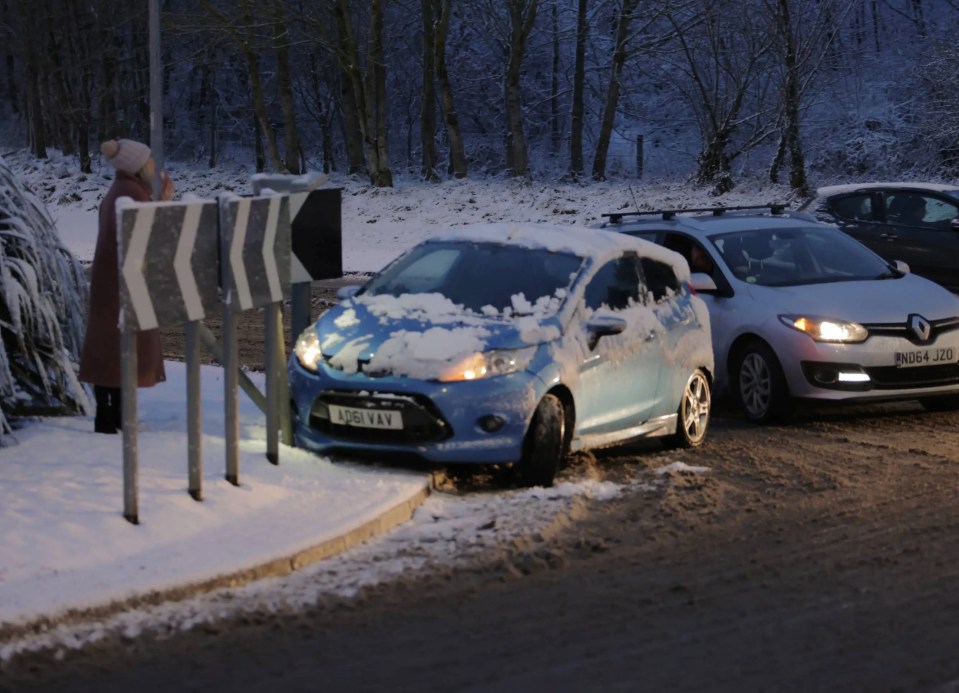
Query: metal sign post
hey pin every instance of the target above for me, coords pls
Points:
(128, 405)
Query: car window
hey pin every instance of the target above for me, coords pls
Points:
(855, 207)
(424, 272)
(617, 284)
(696, 256)
(916, 209)
(661, 281)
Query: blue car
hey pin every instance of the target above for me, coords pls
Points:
(508, 344)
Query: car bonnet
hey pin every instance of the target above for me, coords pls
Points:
(418, 334)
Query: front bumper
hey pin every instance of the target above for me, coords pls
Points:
(481, 421)
(866, 371)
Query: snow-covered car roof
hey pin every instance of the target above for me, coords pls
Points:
(578, 240)
(852, 187)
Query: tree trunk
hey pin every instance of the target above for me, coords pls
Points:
(428, 109)
(458, 165)
(714, 165)
(354, 100)
(36, 118)
(259, 111)
(522, 14)
(579, 79)
(382, 175)
(291, 138)
(555, 129)
(790, 142)
(612, 90)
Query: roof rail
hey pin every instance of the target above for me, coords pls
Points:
(667, 214)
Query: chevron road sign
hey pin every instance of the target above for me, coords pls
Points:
(255, 247)
(169, 273)
(168, 263)
(254, 273)
(317, 237)
(315, 220)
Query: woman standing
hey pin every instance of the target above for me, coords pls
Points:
(100, 359)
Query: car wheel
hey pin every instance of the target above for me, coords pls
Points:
(693, 414)
(545, 445)
(761, 386)
(946, 403)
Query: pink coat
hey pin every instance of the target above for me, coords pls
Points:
(100, 360)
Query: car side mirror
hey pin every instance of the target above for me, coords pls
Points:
(901, 266)
(345, 292)
(700, 281)
(703, 283)
(603, 325)
(954, 224)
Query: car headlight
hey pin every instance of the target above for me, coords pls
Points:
(307, 349)
(488, 364)
(826, 329)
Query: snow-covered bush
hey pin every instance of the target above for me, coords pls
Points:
(43, 299)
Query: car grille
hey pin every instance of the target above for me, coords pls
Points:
(421, 421)
(903, 331)
(892, 378)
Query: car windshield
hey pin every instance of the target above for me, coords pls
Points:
(786, 257)
(480, 276)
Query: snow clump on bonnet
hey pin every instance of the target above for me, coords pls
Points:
(128, 156)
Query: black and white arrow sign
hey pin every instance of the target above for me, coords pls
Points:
(316, 229)
(168, 261)
(255, 248)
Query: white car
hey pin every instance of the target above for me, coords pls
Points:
(802, 311)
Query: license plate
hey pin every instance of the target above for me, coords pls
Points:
(365, 418)
(925, 357)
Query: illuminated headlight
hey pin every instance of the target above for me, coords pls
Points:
(488, 364)
(826, 329)
(307, 349)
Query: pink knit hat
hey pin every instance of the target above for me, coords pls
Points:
(128, 156)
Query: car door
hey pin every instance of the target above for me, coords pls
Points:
(618, 378)
(673, 309)
(918, 229)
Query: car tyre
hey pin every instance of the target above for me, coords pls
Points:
(693, 413)
(544, 447)
(760, 385)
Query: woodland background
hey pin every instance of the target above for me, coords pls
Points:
(706, 90)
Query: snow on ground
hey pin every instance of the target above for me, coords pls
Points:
(65, 543)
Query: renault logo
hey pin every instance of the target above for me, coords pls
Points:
(920, 327)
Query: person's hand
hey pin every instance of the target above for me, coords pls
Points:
(166, 190)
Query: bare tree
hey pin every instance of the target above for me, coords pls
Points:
(281, 44)
(250, 37)
(428, 110)
(451, 121)
(803, 42)
(579, 81)
(724, 59)
(522, 15)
